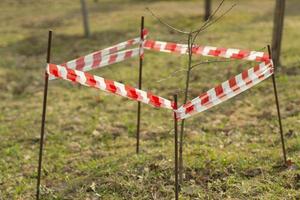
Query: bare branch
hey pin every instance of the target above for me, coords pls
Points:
(210, 62)
(172, 75)
(165, 23)
(217, 19)
(207, 21)
(205, 26)
(210, 17)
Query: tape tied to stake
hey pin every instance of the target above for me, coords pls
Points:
(107, 56)
(226, 90)
(170, 47)
(144, 36)
(219, 94)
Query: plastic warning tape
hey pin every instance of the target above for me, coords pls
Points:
(108, 86)
(226, 90)
(107, 56)
(93, 59)
(88, 63)
(170, 47)
(142, 41)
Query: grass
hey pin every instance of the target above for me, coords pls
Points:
(232, 151)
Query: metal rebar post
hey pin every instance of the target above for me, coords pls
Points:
(140, 87)
(43, 119)
(176, 150)
(278, 108)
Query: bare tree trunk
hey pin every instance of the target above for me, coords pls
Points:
(187, 84)
(277, 30)
(85, 18)
(207, 9)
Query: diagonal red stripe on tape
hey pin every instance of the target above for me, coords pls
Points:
(242, 54)
(171, 47)
(90, 80)
(53, 70)
(80, 63)
(190, 109)
(204, 98)
(71, 75)
(233, 84)
(215, 53)
(129, 43)
(245, 76)
(265, 58)
(149, 44)
(256, 68)
(128, 54)
(197, 50)
(219, 91)
(110, 86)
(154, 100)
(113, 58)
(132, 93)
(97, 57)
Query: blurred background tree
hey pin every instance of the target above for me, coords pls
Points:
(207, 9)
(85, 18)
(277, 30)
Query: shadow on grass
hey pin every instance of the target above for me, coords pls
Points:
(26, 58)
(67, 46)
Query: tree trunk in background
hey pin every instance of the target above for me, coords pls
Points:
(277, 31)
(85, 19)
(207, 9)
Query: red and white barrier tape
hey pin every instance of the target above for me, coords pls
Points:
(96, 61)
(170, 47)
(108, 86)
(97, 55)
(143, 37)
(107, 56)
(226, 90)
(74, 71)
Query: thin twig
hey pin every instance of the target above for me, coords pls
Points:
(203, 28)
(188, 32)
(220, 17)
(207, 21)
(172, 75)
(210, 17)
(210, 62)
(165, 23)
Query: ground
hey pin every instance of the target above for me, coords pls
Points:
(232, 151)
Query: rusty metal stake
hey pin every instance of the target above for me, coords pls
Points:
(176, 150)
(85, 17)
(140, 87)
(278, 108)
(43, 119)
